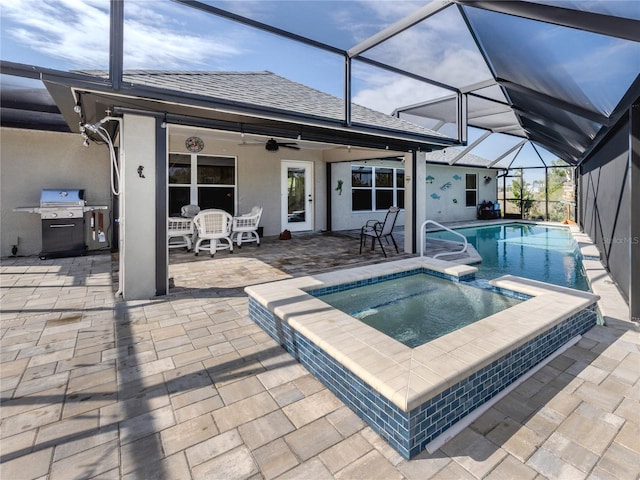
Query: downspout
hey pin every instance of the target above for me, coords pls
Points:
(329, 202)
(162, 244)
(414, 200)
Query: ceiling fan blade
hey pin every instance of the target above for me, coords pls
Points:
(292, 146)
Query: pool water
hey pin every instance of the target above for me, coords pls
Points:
(547, 254)
(418, 308)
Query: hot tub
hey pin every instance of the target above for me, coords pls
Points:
(412, 396)
(417, 308)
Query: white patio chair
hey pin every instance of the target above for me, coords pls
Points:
(245, 227)
(378, 230)
(189, 211)
(214, 228)
(180, 232)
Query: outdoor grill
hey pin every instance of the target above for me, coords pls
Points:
(62, 214)
(59, 204)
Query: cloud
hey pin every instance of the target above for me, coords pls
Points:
(76, 32)
(385, 93)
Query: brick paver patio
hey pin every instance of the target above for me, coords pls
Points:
(186, 386)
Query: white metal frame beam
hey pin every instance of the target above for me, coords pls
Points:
(512, 149)
(473, 145)
(400, 26)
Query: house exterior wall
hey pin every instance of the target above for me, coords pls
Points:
(343, 216)
(258, 176)
(440, 204)
(442, 209)
(32, 160)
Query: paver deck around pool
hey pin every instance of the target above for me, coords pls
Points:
(187, 386)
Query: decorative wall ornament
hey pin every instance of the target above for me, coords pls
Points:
(435, 196)
(455, 200)
(430, 179)
(339, 187)
(457, 177)
(446, 186)
(194, 144)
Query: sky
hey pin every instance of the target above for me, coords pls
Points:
(159, 34)
(164, 35)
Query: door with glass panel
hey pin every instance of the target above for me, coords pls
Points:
(297, 195)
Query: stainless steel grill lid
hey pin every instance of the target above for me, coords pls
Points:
(51, 197)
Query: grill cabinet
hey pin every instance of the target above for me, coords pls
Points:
(62, 214)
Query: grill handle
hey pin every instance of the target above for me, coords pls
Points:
(62, 225)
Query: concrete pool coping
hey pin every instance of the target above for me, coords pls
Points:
(408, 377)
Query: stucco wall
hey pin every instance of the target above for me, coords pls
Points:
(343, 217)
(440, 204)
(258, 176)
(32, 160)
(442, 209)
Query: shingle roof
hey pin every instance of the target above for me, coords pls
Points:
(446, 155)
(268, 90)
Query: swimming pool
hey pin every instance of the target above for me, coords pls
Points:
(418, 308)
(547, 254)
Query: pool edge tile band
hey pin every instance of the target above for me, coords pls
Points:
(409, 432)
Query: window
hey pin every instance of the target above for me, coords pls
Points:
(361, 188)
(471, 189)
(179, 169)
(204, 180)
(376, 188)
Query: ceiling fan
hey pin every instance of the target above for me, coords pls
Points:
(272, 145)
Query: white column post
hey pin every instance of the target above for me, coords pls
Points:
(138, 208)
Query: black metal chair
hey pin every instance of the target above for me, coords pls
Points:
(378, 230)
